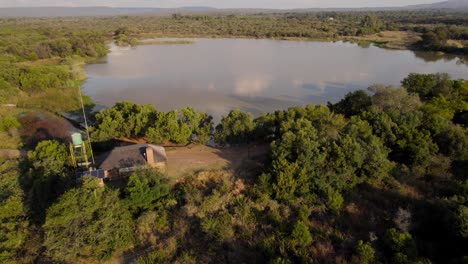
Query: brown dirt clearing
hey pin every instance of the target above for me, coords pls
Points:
(186, 160)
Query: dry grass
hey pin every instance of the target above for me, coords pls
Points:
(457, 43)
(14, 111)
(391, 39)
(10, 141)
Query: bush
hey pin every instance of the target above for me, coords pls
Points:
(365, 252)
(235, 128)
(462, 221)
(354, 103)
(50, 155)
(400, 244)
(87, 222)
(218, 227)
(8, 123)
(334, 200)
(301, 235)
(147, 190)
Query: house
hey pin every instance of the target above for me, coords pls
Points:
(124, 160)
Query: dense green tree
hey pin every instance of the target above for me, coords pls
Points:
(50, 155)
(50, 177)
(435, 39)
(301, 235)
(434, 85)
(169, 127)
(235, 128)
(125, 119)
(370, 24)
(89, 221)
(453, 142)
(13, 213)
(129, 120)
(365, 252)
(200, 123)
(354, 103)
(334, 200)
(414, 146)
(401, 245)
(303, 162)
(382, 125)
(147, 190)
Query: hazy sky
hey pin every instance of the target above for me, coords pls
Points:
(217, 3)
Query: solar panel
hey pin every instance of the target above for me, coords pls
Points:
(100, 174)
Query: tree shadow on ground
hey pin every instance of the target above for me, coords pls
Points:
(371, 211)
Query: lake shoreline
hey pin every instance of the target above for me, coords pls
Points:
(254, 88)
(398, 40)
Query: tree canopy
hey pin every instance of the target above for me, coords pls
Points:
(89, 221)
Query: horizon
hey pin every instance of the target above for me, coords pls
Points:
(226, 4)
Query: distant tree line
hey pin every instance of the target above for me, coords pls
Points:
(41, 38)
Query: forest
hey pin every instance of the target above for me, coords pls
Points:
(435, 30)
(378, 177)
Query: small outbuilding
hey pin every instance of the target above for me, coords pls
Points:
(124, 160)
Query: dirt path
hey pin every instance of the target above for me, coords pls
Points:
(13, 153)
(184, 160)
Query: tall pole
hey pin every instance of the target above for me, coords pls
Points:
(86, 125)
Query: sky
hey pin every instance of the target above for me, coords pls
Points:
(283, 4)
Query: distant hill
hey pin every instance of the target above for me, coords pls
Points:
(110, 11)
(452, 4)
(93, 11)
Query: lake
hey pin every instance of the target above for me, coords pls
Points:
(217, 75)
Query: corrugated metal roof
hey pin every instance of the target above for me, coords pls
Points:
(131, 156)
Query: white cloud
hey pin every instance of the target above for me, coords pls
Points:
(216, 3)
(252, 87)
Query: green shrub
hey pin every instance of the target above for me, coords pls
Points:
(334, 200)
(89, 221)
(365, 252)
(401, 244)
(235, 128)
(218, 227)
(9, 122)
(301, 235)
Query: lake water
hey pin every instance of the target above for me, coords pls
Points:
(217, 75)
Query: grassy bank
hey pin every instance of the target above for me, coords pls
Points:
(401, 40)
(165, 42)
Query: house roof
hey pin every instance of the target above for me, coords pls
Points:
(130, 156)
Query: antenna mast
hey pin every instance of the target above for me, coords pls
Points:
(86, 125)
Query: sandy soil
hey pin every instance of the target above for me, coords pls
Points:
(185, 160)
(13, 153)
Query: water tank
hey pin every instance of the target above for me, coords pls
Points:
(77, 139)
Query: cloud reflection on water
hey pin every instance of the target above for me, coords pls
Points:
(217, 75)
